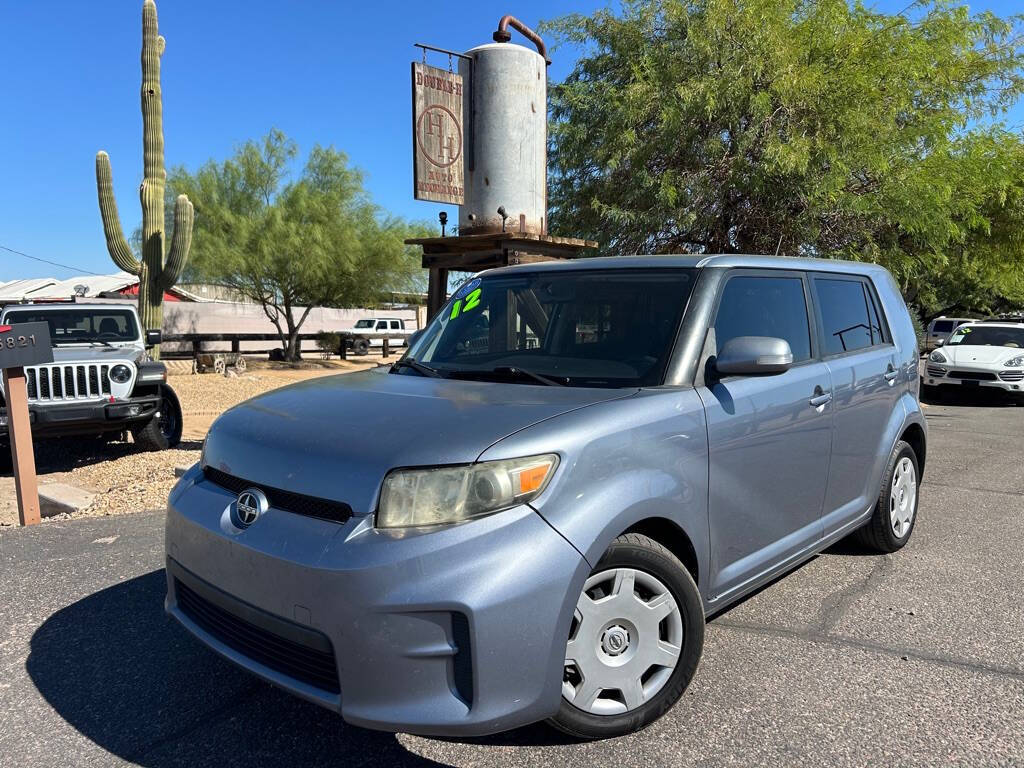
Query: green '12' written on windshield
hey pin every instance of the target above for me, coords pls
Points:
(462, 306)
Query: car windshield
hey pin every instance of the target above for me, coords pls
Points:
(988, 336)
(365, 324)
(78, 326)
(595, 328)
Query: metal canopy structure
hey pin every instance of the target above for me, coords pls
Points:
(474, 253)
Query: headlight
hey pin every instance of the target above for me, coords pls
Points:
(1017, 362)
(937, 357)
(121, 374)
(442, 495)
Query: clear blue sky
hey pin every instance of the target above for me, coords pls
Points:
(328, 72)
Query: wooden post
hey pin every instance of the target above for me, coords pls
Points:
(384, 349)
(20, 430)
(343, 346)
(437, 291)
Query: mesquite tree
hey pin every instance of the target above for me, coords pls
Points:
(156, 273)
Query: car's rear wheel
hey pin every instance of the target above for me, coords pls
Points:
(895, 512)
(361, 346)
(634, 644)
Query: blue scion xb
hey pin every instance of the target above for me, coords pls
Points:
(531, 513)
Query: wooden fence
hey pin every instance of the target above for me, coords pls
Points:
(197, 340)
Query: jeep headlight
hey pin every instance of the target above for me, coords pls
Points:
(120, 374)
(444, 495)
(937, 357)
(1016, 362)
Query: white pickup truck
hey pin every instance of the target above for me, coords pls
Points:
(398, 335)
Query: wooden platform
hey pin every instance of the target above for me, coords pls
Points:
(473, 253)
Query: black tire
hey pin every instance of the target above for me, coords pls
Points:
(361, 347)
(639, 552)
(878, 534)
(164, 431)
(6, 459)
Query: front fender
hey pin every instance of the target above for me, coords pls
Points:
(622, 462)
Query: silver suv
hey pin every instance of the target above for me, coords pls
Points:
(530, 515)
(102, 379)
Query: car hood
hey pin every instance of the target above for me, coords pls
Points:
(94, 354)
(336, 437)
(973, 354)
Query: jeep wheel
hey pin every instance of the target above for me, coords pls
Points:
(361, 346)
(634, 643)
(163, 431)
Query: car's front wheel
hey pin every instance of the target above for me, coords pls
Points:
(634, 644)
(163, 431)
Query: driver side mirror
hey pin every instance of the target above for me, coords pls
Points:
(153, 338)
(754, 356)
(939, 342)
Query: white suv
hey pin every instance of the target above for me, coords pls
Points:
(394, 327)
(980, 354)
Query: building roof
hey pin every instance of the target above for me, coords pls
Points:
(93, 286)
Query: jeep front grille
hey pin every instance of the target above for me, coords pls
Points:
(60, 383)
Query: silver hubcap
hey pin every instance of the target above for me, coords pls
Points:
(902, 497)
(625, 640)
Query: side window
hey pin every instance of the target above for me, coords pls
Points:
(877, 329)
(395, 325)
(942, 326)
(844, 315)
(765, 306)
(382, 325)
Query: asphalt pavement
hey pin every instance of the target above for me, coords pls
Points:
(854, 659)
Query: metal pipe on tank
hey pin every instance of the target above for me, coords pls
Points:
(507, 89)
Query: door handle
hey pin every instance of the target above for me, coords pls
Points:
(821, 400)
(891, 374)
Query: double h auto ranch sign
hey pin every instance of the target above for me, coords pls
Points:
(438, 171)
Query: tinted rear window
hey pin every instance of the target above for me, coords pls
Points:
(844, 315)
(943, 326)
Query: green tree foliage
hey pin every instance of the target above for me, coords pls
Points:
(811, 127)
(291, 244)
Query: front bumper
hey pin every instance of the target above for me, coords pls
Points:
(966, 377)
(86, 417)
(460, 631)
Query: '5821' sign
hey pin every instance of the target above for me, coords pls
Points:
(25, 344)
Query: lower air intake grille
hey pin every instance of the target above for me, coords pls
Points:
(972, 375)
(313, 666)
(1012, 375)
(297, 503)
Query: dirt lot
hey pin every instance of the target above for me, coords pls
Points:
(126, 480)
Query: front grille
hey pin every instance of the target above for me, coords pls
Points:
(297, 503)
(314, 666)
(1011, 375)
(935, 372)
(68, 382)
(973, 375)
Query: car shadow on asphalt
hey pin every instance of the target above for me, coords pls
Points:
(128, 678)
(979, 397)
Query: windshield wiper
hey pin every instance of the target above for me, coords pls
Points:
(425, 370)
(511, 370)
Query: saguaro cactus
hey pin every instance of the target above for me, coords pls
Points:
(155, 273)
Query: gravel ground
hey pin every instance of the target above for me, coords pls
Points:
(126, 480)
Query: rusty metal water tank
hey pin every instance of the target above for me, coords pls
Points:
(505, 139)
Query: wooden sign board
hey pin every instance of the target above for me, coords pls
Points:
(20, 345)
(438, 162)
